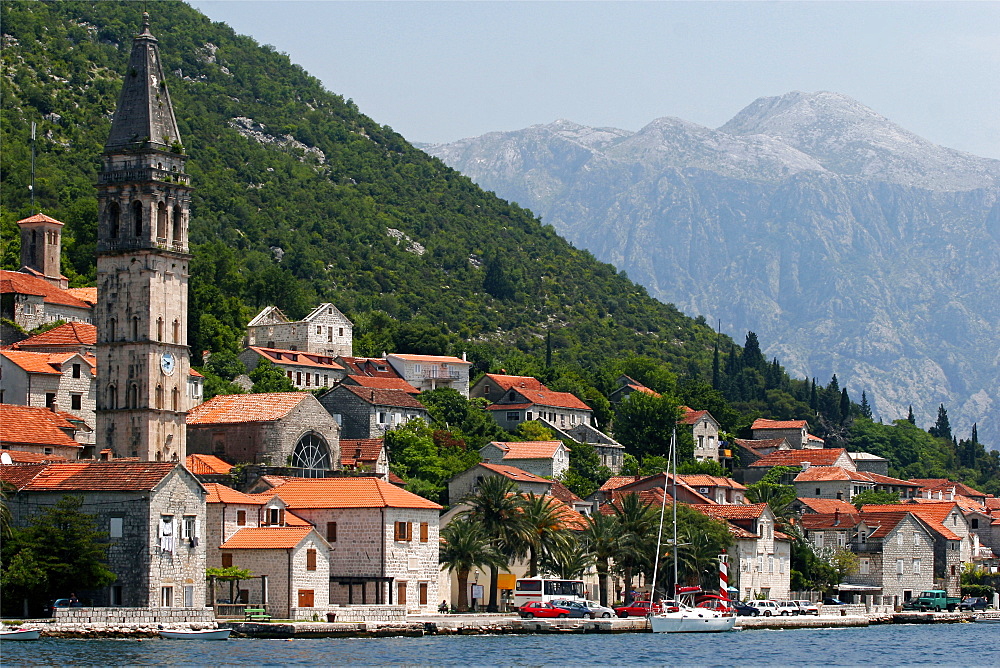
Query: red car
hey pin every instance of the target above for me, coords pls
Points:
(539, 609)
(636, 609)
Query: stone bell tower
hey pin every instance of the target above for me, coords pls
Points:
(144, 199)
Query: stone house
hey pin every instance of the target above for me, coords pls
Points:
(866, 461)
(705, 430)
(71, 337)
(952, 540)
(305, 370)
(39, 431)
(58, 381)
(152, 512)
(326, 331)
(30, 301)
(760, 560)
(610, 452)
(380, 383)
(831, 530)
(364, 412)
(626, 387)
(429, 372)
(548, 459)
(383, 541)
(364, 455)
(618, 485)
(467, 482)
(796, 432)
(278, 429)
(716, 488)
(834, 482)
(795, 457)
(805, 505)
(561, 410)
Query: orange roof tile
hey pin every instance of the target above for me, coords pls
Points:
(934, 514)
(88, 295)
(192, 372)
(98, 476)
(297, 358)
(564, 493)
(207, 465)
(40, 218)
(347, 493)
(616, 481)
(820, 457)
(355, 451)
(755, 444)
(76, 334)
(381, 383)
(762, 423)
(823, 506)
(21, 457)
(18, 283)
(568, 518)
(439, 359)
(702, 480)
(690, 416)
(376, 397)
(528, 449)
(234, 408)
(375, 367)
(514, 473)
(31, 425)
(221, 494)
(738, 511)
(47, 363)
(883, 522)
(838, 520)
(507, 382)
(267, 538)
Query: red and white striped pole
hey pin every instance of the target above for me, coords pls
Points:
(724, 575)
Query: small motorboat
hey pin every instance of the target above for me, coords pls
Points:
(19, 634)
(204, 634)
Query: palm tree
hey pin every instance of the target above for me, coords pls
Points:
(496, 507)
(601, 538)
(464, 546)
(542, 516)
(637, 521)
(568, 560)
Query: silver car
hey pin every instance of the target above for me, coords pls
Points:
(588, 609)
(807, 608)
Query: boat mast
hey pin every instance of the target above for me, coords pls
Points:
(673, 498)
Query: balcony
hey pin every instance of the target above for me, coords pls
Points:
(865, 548)
(439, 374)
(137, 243)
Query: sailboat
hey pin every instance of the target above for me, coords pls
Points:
(681, 616)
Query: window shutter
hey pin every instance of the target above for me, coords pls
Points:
(241, 518)
(331, 532)
(423, 593)
(423, 532)
(310, 560)
(227, 559)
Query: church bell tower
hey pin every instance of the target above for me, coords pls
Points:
(144, 198)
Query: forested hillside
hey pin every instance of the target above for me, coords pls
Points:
(300, 198)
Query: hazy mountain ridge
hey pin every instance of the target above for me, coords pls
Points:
(848, 243)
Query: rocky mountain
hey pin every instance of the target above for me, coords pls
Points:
(849, 244)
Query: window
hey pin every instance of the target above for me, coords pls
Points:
(819, 539)
(298, 377)
(402, 531)
(916, 540)
(177, 223)
(899, 539)
(227, 559)
(191, 529)
(770, 563)
(137, 218)
(916, 567)
(115, 530)
(76, 370)
(841, 539)
(418, 368)
(241, 518)
(306, 598)
(176, 331)
(175, 399)
(312, 454)
(159, 329)
(319, 329)
(273, 516)
(818, 491)
(401, 593)
(329, 335)
(308, 379)
(166, 597)
(340, 331)
(188, 596)
(899, 567)
(865, 566)
(116, 595)
(159, 396)
(113, 220)
(135, 328)
(310, 560)
(953, 569)
(975, 523)
(326, 380)
(50, 399)
(76, 402)
(331, 532)
(422, 588)
(513, 416)
(424, 527)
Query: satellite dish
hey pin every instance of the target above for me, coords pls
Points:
(5, 458)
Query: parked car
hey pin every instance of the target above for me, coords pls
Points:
(58, 603)
(933, 599)
(745, 610)
(807, 607)
(588, 609)
(788, 608)
(540, 609)
(973, 603)
(599, 610)
(767, 608)
(636, 609)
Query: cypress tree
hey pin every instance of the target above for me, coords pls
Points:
(975, 434)
(866, 409)
(845, 405)
(942, 427)
(716, 370)
(910, 418)
(752, 357)
(812, 395)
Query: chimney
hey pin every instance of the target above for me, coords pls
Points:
(464, 358)
(806, 465)
(836, 517)
(55, 406)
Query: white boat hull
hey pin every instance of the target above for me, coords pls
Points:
(19, 634)
(207, 634)
(691, 622)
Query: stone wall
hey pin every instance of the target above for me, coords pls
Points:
(277, 565)
(413, 562)
(906, 542)
(134, 616)
(367, 613)
(180, 496)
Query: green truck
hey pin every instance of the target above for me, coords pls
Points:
(933, 599)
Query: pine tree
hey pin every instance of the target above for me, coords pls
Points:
(753, 358)
(845, 405)
(910, 418)
(866, 409)
(942, 427)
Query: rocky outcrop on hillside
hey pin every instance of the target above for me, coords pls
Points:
(849, 244)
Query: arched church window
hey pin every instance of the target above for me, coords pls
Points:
(175, 400)
(112, 326)
(159, 397)
(112, 397)
(159, 329)
(113, 215)
(177, 331)
(133, 396)
(161, 221)
(312, 454)
(135, 328)
(137, 218)
(177, 223)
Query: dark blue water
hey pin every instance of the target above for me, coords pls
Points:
(895, 645)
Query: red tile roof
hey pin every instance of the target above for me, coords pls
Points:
(207, 465)
(528, 449)
(76, 334)
(376, 397)
(267, 538)
(507, 382)
(934, 514)
(439, 359)
(759, 443)
(88, 295)
(221, 494)
(21, 457)
(564, 493)
(347, 493)
(690, 416)
(40, 218)
(826, 473)
(883, 522)
(737, 511)
(761, 423)
(381, 383)
(702, 480)
(823, 506)
(354, 451)
(514, 473)
(23, 284)
(943, 484)
(31, 425)
(115, 476)
(234, 408)
(616, 481)
(820, 457)
(568, 518)
(48, 363)
(297, 358)
(373, 367)
(544, 398)
(832, 521)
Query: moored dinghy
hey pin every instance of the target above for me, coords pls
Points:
(204, 634)
(19, 634)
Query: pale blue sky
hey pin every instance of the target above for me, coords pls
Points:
(441, 71)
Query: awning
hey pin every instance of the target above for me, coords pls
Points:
(847, 586)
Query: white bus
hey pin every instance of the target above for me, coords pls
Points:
(545, 589)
